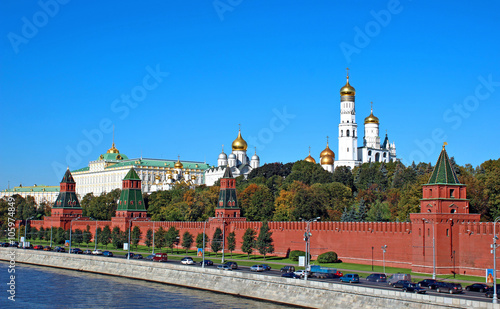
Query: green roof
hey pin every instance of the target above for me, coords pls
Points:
(41, 188)
(113, 157)
(68, 178)
(83, 169)
(443, 172)
(131, 175)
(160, 163)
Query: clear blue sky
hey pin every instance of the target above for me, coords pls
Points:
(431, 69)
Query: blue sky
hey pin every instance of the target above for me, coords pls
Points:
(193, 70)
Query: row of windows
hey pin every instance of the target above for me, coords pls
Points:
(347, 132)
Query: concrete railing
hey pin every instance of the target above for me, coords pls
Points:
(312, 294)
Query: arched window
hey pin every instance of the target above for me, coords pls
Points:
(353, 133)
(341, 132)
(347, 133)
(453, 211)
(369, 152)
(377, 157)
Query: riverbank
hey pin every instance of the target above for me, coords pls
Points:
(312, 294)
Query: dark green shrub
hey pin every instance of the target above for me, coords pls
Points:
(327, 257)
(294, 255)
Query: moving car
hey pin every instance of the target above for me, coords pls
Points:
(436, 285)
(137, 256)
(160, 257)
(490, 292)
(290, 275)
(188, 261)
(396, 277)
(257, 268)
(452, 288)
(76, 251)
(87, 251)
(413, 287)
(478, 287)
(266, 267)
(47, 248)
(97, 252)
(288, 269)
(5, 244)
(107, 253)
(131, 255)
(38, 247)
(224, 267)
(233, 265)
(400, 284)
(377, 278)
(59, 249)
(351, 278)
(207, 263)
(150, 257)
(302, 273)
(426, 283)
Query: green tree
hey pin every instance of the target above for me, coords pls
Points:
(379, 212)
(41, 233)
(171, 237)
(34, 233)
(78, 236)
(187, 240)
(231, 242)
(87, 235)
(248, 241)
(98, 236)
(343, 175)
(149, 238)
(265, 241)
(199, 240)
(116, 237)
(106, 236)
(160, 238)
(136, 236)
(217, 241)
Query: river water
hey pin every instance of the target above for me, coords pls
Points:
(45, 287)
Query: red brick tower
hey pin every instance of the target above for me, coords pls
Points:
(131, 203)
(443, 206)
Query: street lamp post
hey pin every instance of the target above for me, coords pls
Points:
(384, 249)
(51, 236)
(372, 258)
(203, 250)
(70, 231)
(433, 249)
(25, 225)
(307, 239)
(129, 228)
(153, 238)
(494, 247)
(223, 239)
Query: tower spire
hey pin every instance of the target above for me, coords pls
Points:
(347, 70)
(327, 140)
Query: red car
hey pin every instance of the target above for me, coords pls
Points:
(160, 257)
(38, 247)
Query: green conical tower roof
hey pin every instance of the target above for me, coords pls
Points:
(68, 178)
(132, 175)
(443, 172)
(67, 197)
(131, 198)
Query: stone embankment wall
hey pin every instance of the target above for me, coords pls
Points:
(297, 292)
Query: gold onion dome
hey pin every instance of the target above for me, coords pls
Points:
(327, 160)
(309, 158)
(239, 143)
(347, 89)
(327, 152)
(113, 149)
(371, 118)
(178, 164)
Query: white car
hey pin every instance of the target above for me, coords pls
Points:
(97, 252)
(188, 261)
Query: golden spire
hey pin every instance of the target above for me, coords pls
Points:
(371, 118)
(347, 89)
(444, 145)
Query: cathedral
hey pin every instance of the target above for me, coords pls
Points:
(349, 154)
(237, 160)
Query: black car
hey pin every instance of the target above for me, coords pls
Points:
(5, 244)
(452, 288)
(426, 283)
(290, 275)
(207, 263)
(77, 251)
(137, 256)
(478, 287)
(232, 265)
(400, 283)
(377, 278)
(131, 255)
(413, 287)
(59, 249)
(14, 244)
(437, 285)
(288, 269)
(150, 257)
(489, 293)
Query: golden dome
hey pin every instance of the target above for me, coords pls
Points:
(371, 118)
(327, 160)
(157, 177)
(170, 177)
(113, 149)
(239, 143)
(309, 158)
(327, 151)
(193, 177)
(347, 89)
(178, 164)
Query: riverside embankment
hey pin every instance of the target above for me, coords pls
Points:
(297, 292)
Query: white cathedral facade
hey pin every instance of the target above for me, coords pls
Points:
(237, 161)
(349, 154)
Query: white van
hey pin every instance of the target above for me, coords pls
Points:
(396, 277)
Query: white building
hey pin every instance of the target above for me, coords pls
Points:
(106, 173)
(237, 160)
(40, 193)
(349, 154)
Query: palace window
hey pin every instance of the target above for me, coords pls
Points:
(347, 133)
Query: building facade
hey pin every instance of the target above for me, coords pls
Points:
(41, 194)
(237, 161)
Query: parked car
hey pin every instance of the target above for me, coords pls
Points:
(160, 257)
(47, 248)
(150, 257)
(396, 277)
(233, 265)
(478, 287)
(290, 275)
(14, 244)
(131, 255)
(351, 278)
(302, 273)
(452, 288)
(377, 278)
(489, 293)
(188, 261)
(413, 287)
(400, 284)
(288, 269)
(258, 268)
(207, 263)
(59, 249)
(137, 256)
(38, 247)
(5, 244)
(87, 251)
(436, 285)
(266, 267)
(224, 267)
(97, 252)
(76, 251)
(107, 253)
(426, 283)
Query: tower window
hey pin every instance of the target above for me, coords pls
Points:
(341, 132)
(430, 193)
(347, 149)
(347, 132)
(452, 192)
